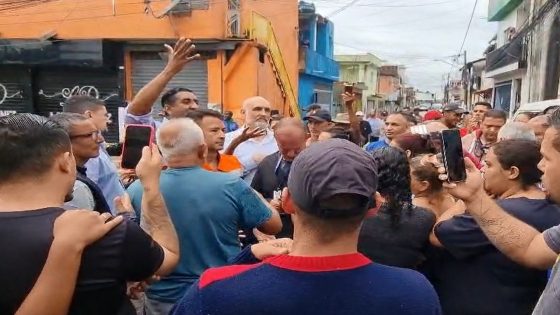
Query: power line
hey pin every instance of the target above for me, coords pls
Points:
(468, 27)
(335, 12)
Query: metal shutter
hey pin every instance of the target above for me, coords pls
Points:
(53, 87)
(15, 91)
(147, 65)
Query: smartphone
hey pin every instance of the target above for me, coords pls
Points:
(349, 89)
(452, 154)
(136, 138)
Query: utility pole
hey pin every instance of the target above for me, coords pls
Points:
(466, 85)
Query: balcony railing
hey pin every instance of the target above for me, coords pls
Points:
(315, 64)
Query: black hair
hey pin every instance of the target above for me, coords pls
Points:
(394, 182)
(409, 117)
(554, 120)
(488, 105)
(66, 120)
(169, 96)
(496, 113)
(198, 115)
(29, 144)
(523, 154)
(79, 104)
(338, 132)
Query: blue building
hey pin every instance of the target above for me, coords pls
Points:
(317, 68)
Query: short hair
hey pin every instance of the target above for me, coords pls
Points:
(169, 96)
(290, 122)
(523, 154)
(181, 136)
(516, 130)
(198, 115)
(79, 104)
(555, 123)
(67, 120)
(496, 113)
(409, 117)
(29, 144)
(415, 143)
(488, 105)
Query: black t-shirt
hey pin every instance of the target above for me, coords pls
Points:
(401, 246)
(473, 277)
(125, 254)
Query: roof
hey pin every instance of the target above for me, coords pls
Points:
(363, 58)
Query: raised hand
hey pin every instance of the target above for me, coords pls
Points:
(180, 55)
(467, 190)
(250, 133)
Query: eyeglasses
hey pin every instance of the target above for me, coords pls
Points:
(93, 135)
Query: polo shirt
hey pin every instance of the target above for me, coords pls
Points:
(207, 209)
(226, 164)
(248, 149)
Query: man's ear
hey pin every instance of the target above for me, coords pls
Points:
(66, 163)
(287, 202)
(514, 173)
(203, 151)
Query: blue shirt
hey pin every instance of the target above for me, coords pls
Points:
(208, 209)
(247, 151)
(230, 125)
(373, 146)
(104, 173)
(337, 285)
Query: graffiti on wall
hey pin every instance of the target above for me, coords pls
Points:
(6, 95)
(87, 90)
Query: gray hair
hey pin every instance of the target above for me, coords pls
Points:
(516, 131)
(67, 120)
(181, 136)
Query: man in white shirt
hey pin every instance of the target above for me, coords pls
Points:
(251, 152)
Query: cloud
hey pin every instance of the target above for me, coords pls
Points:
(420, 34)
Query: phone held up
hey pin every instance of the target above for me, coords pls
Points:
(452, 155)
(136, 138)
(450, 148)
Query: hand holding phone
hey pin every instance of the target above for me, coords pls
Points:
(136, 138)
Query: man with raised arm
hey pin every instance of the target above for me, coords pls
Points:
(176, 103)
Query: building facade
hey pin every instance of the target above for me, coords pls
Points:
(318, 71)
(525, 64)
(391, 87)
(362, 71)
(110, 49)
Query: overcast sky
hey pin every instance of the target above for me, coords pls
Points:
(420, 34)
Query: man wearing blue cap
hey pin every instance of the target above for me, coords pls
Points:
(329, 191)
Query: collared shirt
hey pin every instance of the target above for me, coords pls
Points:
(226, 164)
(104, 173)
(247, 150)
(147, 119)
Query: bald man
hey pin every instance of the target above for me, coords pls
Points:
(255, 140)
(539, 125)
(272, 173)
(207, 208)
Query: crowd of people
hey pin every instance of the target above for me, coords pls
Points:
(345, 215)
